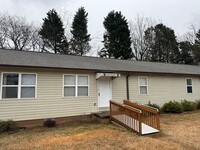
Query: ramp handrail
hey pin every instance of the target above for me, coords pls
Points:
(126, 116)
(150, 116)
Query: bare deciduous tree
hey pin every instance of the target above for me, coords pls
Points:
(3, 31)
(37, 43)
(19, 33)
(138, 27)
(16, 33)
(190, 36)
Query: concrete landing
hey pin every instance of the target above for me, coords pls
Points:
(102, 114)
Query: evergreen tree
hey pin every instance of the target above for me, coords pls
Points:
(163, 44)
(186, 55)
(79, 44)
(117, 41)
(52, 33)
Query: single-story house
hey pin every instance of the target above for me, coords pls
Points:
(42, 85)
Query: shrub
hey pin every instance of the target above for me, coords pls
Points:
(153, 105)
(8, 125)
(198, 104)
(188, 105)
(49, 123)
(173, 107)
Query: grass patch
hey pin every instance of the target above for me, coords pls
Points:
(179, 132)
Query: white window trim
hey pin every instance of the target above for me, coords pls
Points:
(19, 86)
(143, 85)
(189, 85)
(76, 85)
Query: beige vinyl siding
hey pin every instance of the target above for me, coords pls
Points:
(163, 88)
(119, 88)
(49, 102)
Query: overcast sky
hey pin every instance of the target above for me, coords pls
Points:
(177, 14)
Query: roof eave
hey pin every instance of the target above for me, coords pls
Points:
(97, 70)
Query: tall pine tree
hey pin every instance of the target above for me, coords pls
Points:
(52, 33)
(162, 43)
(117, 41)
(79, 44)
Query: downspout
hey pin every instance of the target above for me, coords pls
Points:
(127, 86)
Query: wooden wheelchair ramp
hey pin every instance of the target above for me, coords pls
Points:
(138, 118)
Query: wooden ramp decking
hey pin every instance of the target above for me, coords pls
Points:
(138, 118)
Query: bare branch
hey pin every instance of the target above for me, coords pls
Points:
(138, 27)
(3, 31)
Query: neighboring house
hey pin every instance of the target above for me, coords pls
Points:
(41, 85)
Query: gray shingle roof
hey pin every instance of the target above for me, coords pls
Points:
(35, 59)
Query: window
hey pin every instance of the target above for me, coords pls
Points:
(189, 85)
(143, 85)
(17, 85)
(28, 85)
(10, 85)
(75, 85)
(70, 85)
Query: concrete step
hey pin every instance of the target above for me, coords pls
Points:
(102, 114)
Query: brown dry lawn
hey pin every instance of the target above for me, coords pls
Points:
(179, 132)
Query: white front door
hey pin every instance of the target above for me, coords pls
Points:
(104, 91)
